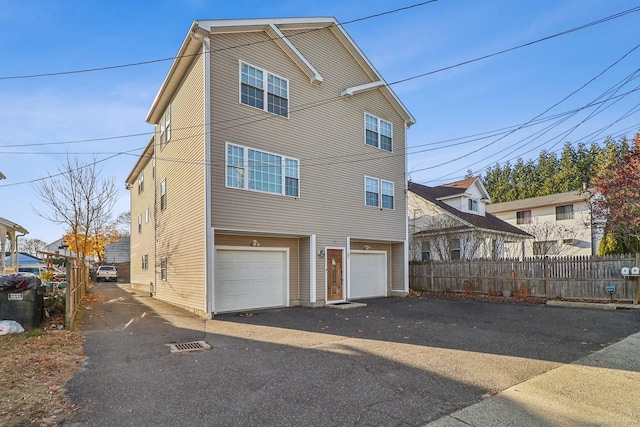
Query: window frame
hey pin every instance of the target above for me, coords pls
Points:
(378, 132)
(163, 268)
(267, 81)
(146, 216)
(563, 214)
(453, 249)
(425, 255)
(163, 194)
(139, 223)
(141, 183)
(473, 205)
(524, 218)
(145, 262)
(550, 248)
(380, 194)
(165, 127)
(248, 171)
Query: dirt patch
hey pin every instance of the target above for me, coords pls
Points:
(34, 367)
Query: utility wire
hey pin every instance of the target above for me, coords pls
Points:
(173, 58)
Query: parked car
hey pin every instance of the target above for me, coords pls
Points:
(35, 269)
(106, 273)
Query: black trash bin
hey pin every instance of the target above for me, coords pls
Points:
(24, 306)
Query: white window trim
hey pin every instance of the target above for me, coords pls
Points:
(265, 83)
(163, 192)
(473, 203)
(164, 272)
(139, 223)
(379, 120)
(141, 183)
(380, 181)
(165, 127)
(146, 216)
(245, 165)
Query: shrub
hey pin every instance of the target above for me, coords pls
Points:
(522, 292)
(469, 287)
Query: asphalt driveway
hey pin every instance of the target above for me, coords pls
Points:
(396, 362)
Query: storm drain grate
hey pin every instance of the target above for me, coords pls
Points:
(187, 347)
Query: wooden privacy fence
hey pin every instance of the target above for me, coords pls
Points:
(77, 280)
(566, 277)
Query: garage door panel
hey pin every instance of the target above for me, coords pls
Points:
(250, 279)
(368, 277)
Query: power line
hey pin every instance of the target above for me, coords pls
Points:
(155, 61)
(322, 102)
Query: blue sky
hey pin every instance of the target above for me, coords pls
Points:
(498, 94)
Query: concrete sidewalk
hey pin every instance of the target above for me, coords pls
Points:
(602, 389)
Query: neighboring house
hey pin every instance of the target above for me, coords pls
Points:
(9, 234)
(560, 223)
(449, 222)
(58, 247)
(118, 252)
(276, 176)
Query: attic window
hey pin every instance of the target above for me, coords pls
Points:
(378, 133)
(473, 205)
(252, 90)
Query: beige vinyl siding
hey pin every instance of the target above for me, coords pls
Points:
(328, 139)
(304, 269)
(142, 243)
(270, 242)
(181, 226)
(398, 266)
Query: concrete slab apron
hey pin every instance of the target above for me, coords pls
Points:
(598, 390)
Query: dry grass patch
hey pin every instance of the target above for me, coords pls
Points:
(34, 367)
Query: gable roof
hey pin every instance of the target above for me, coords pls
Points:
(487, 222)
(273, 27)
(459, 188)
(557, 199)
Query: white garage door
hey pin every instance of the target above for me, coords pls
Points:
(250, 279)
(368, 276)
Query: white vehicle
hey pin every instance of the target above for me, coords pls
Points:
(106, 273)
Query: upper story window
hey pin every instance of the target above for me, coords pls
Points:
(473, 205)
(146, 216)
(140, 183)
(523, 217)
(378, 133)
(252, 90)
(564, 212)
(378, 193)
(255, 170)
(163, 195)
(139, 223)
(165, 127)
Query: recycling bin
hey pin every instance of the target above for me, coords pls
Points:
(24, 306)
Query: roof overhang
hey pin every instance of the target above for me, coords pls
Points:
(10, 225)
(142, 162)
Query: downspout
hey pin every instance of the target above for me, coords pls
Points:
(209, 232)
(406, 216)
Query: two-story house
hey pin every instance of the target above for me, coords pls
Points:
(560, 223)
(450, 222)
(276, 176)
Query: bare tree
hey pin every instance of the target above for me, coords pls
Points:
(79, 198)
(122, 224)
(31, 246)
(549, 237)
